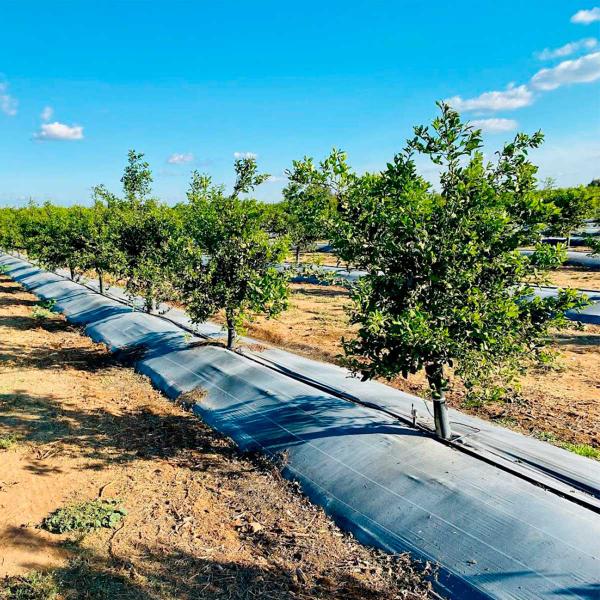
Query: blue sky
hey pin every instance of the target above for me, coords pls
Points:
(194, 83)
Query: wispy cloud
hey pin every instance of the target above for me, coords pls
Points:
(59, 132)
(509, 99)
(495, 125)
(245, 155)
(567, 49)
(47, 113)
(180, 159)
(582, 70)
(8, 104)
(585, 17)
(276, 178)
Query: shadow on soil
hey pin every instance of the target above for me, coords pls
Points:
(568, 339)
(175, 573)
(322, 291)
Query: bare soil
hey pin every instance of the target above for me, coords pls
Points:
(575, 277)
(204, 521)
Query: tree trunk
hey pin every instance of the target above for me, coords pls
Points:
(435, 376)
(230, 332)
(72, 272)
(297, 255)
(100, 282)
(151, 305)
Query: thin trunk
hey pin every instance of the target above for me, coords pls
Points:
(100, 282)
(435, 376)
(568, 241)
(230, 332)
(297, 255)
(72, 272)
(151, 305)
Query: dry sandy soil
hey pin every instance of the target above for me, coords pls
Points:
(203, 520)
(563, 402)
(576, 277)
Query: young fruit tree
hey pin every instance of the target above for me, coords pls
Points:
(571, 207)
(10, 229)
(226, 258)
(444, 285)
(52, 235)
(310, 198)
(103, 253)
(144, 230)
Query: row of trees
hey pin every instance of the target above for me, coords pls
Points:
(444, 285)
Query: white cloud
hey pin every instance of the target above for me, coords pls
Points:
(496, 125)
(276, 178)
(47, 113)
(582, 70)
(8, 104)
(585, 17)
(179, 159)
(245, 155)
(509, 99)
(59, 131)
(571, 160)
(567, 49)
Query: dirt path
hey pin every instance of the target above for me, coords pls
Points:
(203, 521)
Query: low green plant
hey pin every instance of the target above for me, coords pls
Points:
(48, 304)
(7, 441)
(43, 309)
(548, 257)
(85, 516)
(40, 313)
(594, 244)
(581, 449)
(33, 586)
(546, 436)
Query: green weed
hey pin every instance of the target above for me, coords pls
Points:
(7, 441)
(581, 449)
(33, 586)
(85, 516)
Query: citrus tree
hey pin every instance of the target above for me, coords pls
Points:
(225, 258)
(572, 206)
(50, 236)
(10, 229)
(142, 228)
(443, 286)
(310, 197)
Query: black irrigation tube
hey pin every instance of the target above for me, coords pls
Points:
(489, 457)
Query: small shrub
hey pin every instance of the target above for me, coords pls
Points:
(86, 516)
(43, 309)
(548, 257)
(48, 304)
(40, 313)
(33, 586)
(594, 244)
(7, 441)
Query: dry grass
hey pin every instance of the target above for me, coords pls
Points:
(203, 520)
